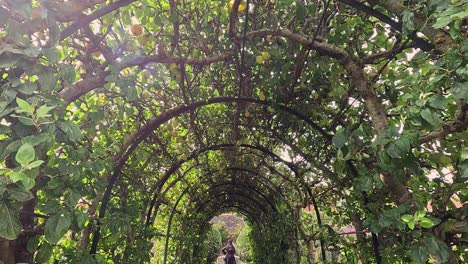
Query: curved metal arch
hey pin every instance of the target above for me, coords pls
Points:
(173, 211)
(256, 173)
(222, 209)
(229, 169)
(213, 199)
(168, 230)
(235, 193)
(135, 139)
(176, 166)
(242, 187)
(272, 188)
(296, 149)
(227, 184)
(255, 216)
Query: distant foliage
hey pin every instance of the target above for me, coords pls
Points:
(213, 243)
(244, 245)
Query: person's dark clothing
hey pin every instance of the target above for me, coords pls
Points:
(230, 252)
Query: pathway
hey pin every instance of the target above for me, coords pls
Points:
(221, 260)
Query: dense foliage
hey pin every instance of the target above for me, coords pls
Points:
(126, 125)
(213, 243)
(244, 245)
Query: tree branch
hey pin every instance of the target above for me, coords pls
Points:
(438, 37)
(71, 93)
(459, 125)
(88, 19)
(420, 43)
(233, 19)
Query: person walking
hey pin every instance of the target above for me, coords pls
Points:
(229, 251)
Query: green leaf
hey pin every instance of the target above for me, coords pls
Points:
(419, 214)
(373, 225)
(43, 253)
(436, 247)
(19, 194)
(131, 93)
(438, 102)
(10, 226)
(442, 22)
(459, 15)
(432, 118)
(406, 218)
(408, 22)
(28, 183)
(43, 111)
(47, 79)
(17, 176)
(71, 130)
(259, 59)
(10, 148)
(25, 154)
(420, 254)
(34, 164)
(27, 88)
(464, 46)
(393, 151)
(32, 52)
(411, 224)
(363, 183)
(88, 259)
(67, 72)
(24, 120)
(463, 169)
(33, 243)
(403, 145)
(71, 197)
(300, 10)
(52, 54)
(8, 60)
(80, 219)
(441, 159)
(339, 140)
(37, 139)
(464, 192)
(438, 5)
(24, 106)
(56, 226)
(425, 222)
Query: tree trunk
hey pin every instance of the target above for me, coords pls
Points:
(15, 251)
(22, 253)
(311, 251)
(7, 251)
(376, 110)
(360, 235)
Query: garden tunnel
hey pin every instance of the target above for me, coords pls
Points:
(236, 187)
(336, 129)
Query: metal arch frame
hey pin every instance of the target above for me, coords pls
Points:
(222, 209)
(240, 201)
(136, 138)
(168, 230)
(237, 193)
(154, 200)
(273, 188)
(254, 203)
(230, 168)
(312, 199)
(156, 190)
